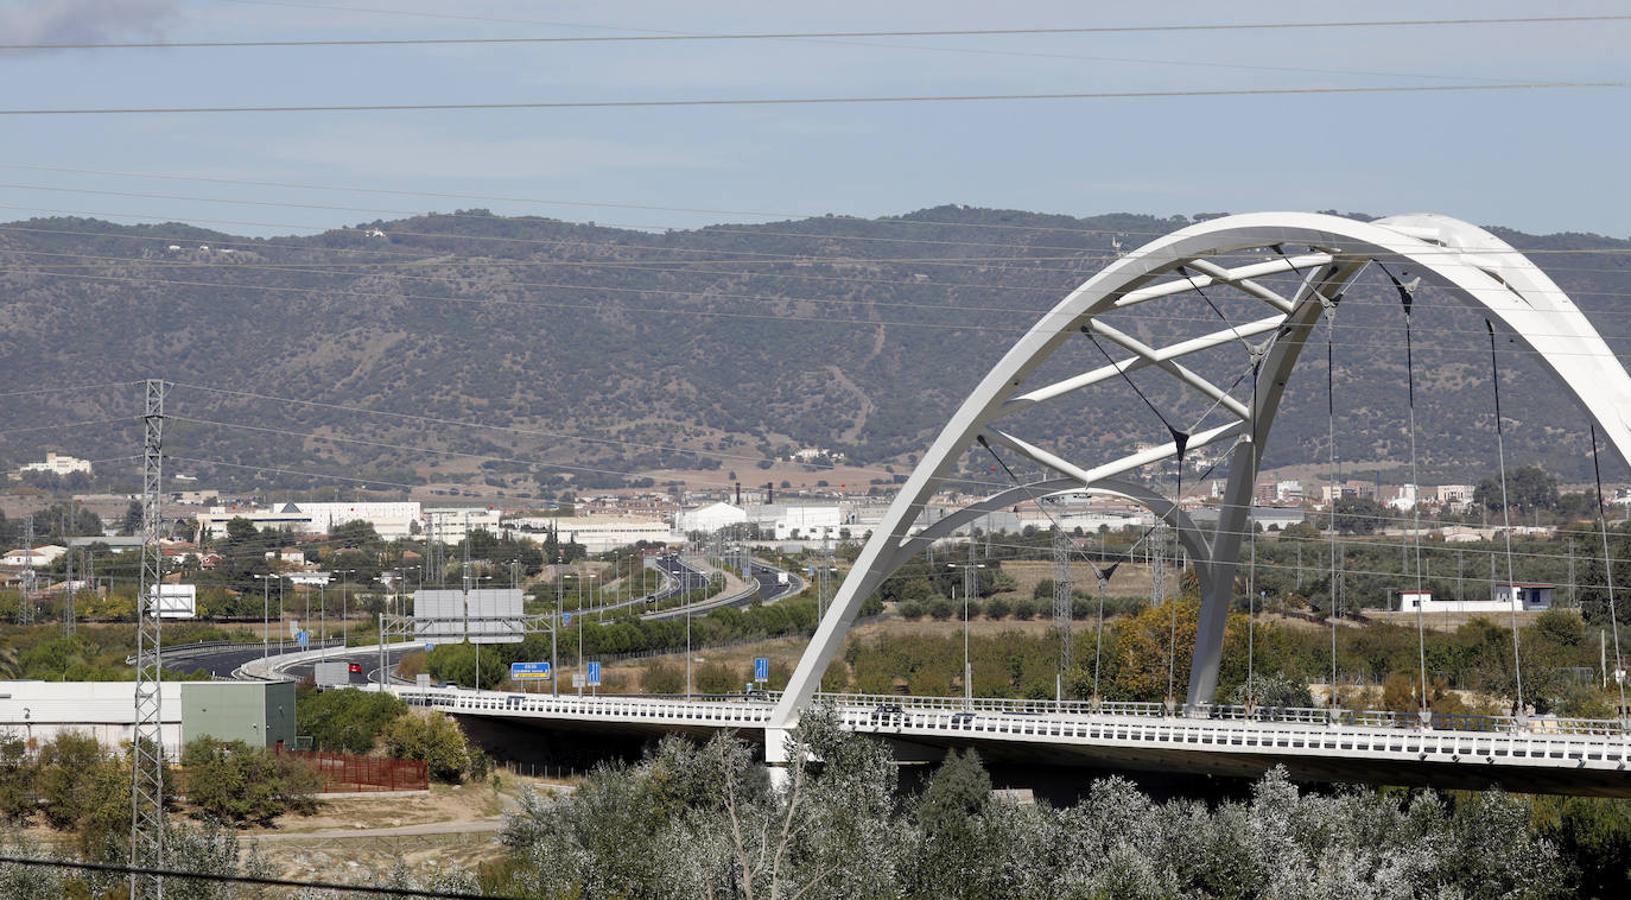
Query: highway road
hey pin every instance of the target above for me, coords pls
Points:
(220, 660)
(368, 658)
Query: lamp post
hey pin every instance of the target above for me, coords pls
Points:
(322, 610)
(472, 582)
(345, 630)
(266, 614)
(968, 666)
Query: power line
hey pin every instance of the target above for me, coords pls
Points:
(267, 881)
(817, 101)
(805, 35)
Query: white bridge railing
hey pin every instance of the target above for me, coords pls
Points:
(1562, 743)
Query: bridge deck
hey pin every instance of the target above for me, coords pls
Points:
(1562, 756)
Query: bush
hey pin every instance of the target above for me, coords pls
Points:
(940, 608)
(1024, 609)
(998, 608)
(67, 767)
(716, 678)
(347, 720)
(433, 738)
(912, 610)
(664, 679)
(17, 776)
(233, 783)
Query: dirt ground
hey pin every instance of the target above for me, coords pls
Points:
(786, 651)
(360, 838)
(1129, 580)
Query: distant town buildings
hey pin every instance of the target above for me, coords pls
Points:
(391, 520)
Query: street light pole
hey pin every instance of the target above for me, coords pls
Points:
(554, 633)
(968, 665)
(266, 615)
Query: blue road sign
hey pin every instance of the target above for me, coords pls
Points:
(761, 668)
(429, 646)
(566, 618)
(303, 638)
(594, 674)
(522, 671)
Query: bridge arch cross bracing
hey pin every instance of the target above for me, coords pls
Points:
(1327, 252)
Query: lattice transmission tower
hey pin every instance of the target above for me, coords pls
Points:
(147, 823)
(1157, 542)
(25, 608)
(1062, 599)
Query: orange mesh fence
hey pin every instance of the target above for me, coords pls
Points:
(346, 773)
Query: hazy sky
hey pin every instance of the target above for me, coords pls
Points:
(1540, 160)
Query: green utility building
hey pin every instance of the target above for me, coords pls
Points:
(261, 714)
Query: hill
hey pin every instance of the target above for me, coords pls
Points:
(611, 353)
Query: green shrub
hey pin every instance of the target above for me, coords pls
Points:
(17, 781)
(1024, 609)
(998, 608)
(716, 678)
(433, 738)
(912, 609)
(940, 608)
(662, 678)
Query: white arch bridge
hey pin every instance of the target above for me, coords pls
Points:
(1238, 257)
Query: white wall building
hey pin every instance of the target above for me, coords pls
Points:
(39, 557)
(449, 523)
(56, 464)
(597, 534)
(1519, 596)
(709, 518)
(807, 523)
(38, 711)
(392, 519)
(1405, 499)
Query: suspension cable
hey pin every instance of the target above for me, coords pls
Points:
(1506, 522)
(1407, 297)
(1608, 571)
(1336, 489)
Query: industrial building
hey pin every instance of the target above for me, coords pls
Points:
(258, 713)
(391, 520)
(598, 534)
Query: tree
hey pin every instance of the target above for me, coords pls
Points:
(17, 776)
(348, 721)
(67, 766)
(1358, 515)
(1527, 489)
(234, 783)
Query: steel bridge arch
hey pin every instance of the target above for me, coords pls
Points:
(1484, 273)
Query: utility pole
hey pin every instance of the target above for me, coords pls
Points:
(147, 822)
